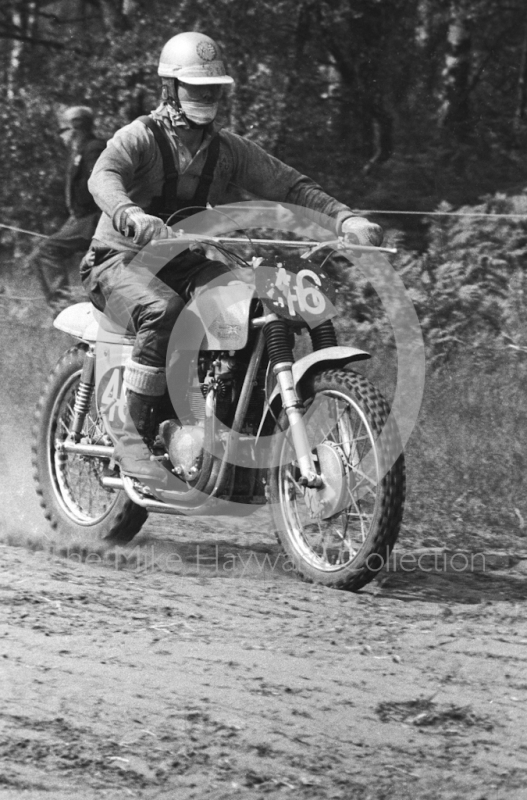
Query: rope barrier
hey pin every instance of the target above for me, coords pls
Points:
(5, 296)
(22, 230)
(439, 213)
(355, 211)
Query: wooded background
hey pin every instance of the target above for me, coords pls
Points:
(392, 105)
(399, 105)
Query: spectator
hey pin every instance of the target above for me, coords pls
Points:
(52, 256)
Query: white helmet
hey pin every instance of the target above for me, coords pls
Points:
(192, 58)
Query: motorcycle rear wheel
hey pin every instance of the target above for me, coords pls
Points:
(75, 502)
(342, 535)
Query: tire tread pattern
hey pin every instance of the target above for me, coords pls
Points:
(360, 571)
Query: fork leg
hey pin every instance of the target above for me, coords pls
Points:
(281, 357)
(293, 409)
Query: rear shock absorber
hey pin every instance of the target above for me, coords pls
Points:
(323, 335)
(83, 396)
(280, 353)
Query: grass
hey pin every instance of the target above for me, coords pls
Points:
(467, 456)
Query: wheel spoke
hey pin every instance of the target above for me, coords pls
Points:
(364, 477)
(334, 541)
(78, 478)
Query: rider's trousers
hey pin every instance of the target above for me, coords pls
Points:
(145, 294)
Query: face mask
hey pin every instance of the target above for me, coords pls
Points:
(199, 113)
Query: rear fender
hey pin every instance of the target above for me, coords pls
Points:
(328, 358)
(75, 320)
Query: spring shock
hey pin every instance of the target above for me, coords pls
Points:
(83, 396)
(323, 335)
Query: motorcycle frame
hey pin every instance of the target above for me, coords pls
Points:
(222, 469)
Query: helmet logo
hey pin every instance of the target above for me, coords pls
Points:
(206, 51)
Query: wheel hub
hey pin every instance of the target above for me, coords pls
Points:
(329, 498)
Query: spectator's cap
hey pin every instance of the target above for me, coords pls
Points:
(79, 117)
(194, 58)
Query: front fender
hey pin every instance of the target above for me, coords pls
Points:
(337, 356)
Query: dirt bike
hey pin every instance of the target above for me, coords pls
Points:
(305, 434)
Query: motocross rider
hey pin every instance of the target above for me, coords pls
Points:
(175, 158)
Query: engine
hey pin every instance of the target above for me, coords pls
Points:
(184, 440)
(184, 444)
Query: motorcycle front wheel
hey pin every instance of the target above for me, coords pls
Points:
(342, 533)
(74, 500)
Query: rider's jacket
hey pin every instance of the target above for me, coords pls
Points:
(130, 172)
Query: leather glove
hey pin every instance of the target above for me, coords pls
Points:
(359, 230)
(145, 227)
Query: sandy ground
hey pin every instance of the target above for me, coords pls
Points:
(190, 665)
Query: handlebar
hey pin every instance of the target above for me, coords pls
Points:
(339, 244)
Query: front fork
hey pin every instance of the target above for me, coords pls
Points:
(281, 357)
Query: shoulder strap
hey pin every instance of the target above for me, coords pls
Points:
(169, 202)
(205, 179)
(169, 199)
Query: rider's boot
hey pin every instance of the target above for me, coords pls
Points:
(133, 453)
(133, 450)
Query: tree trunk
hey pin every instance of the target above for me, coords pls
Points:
(303, 25)
(130, 7)
(424, 23)
(15, 55)
(382, 137)
(454, 111)
(355, 48)
(114, 20)
(522, 81)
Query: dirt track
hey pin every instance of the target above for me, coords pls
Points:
(156, 673)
